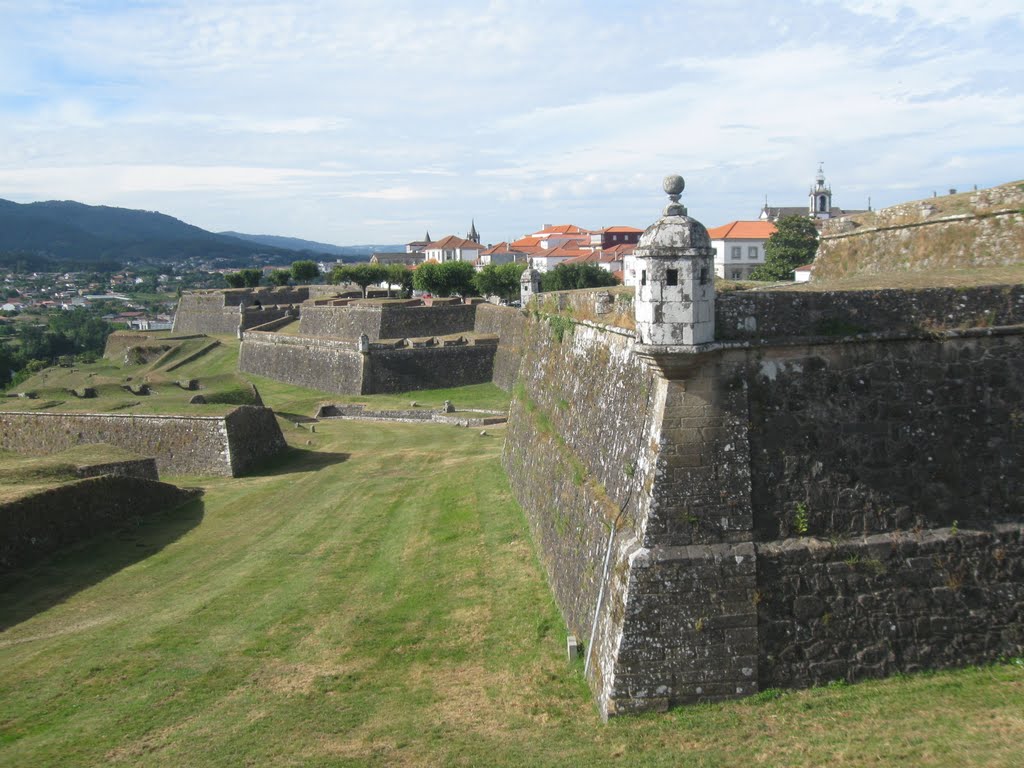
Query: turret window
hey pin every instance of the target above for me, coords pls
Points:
(672, 277)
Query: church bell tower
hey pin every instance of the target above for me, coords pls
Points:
(820, 197)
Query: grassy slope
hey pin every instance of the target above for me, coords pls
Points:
(374, 599)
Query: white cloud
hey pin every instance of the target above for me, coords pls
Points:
(940, 11)
(327, 115)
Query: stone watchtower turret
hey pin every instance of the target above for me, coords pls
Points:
(675, 297)
(529, 284)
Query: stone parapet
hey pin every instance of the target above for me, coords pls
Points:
(182, 445)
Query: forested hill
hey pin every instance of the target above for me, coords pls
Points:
(66, 231)
(298, 244)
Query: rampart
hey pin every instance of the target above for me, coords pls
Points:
(338, 365)
(41, 523)
(325, 364)
(765, 315)
(182, 445)
(386, 319)
(974, 229)
(228, 311)
(780, 512)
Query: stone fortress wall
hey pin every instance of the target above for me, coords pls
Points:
(984, 228)
(386, 319)
(41, 523)
(407, 345)
(226, 312)
(830, 489)
(228, 445)
(792, 512)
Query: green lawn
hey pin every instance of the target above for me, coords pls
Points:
(373, 598)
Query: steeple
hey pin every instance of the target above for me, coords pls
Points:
(473, 234)
(426, 237)
(819, 204)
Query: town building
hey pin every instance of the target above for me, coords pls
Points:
(819, 204)
(502, 253)
(454, 248)
(417, 246)
(739, 247)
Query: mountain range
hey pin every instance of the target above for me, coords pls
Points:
(68, 234)
(298, 244)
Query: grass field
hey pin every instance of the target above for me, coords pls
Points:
(373, 598)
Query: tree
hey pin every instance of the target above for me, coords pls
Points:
(793, 244)
(500, 280)
(566, 277)
(362, 275)
(246, 278)
(251, 277)
(305, 271)
(400, 275)
(280, 277)
(445, 279)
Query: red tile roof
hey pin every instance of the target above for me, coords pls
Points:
(501, 248)
(621, 229)
(621, 249)
(743, 230)
(562, 229)
(593, 257)
(453, 241)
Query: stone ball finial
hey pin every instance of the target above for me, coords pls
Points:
(674, 186)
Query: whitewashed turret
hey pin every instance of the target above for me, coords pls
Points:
(529, 284)
(675, 293)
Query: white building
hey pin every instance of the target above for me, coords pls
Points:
(453, 248)
(739, 247)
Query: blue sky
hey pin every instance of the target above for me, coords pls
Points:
(367, 122)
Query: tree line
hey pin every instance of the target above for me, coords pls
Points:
(66, 337)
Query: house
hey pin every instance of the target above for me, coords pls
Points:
(406, 258)
(739, 247)
(609, 237)
(547, 259)
(502, 253)
(417, 246)
(453, 248)
(609, 261)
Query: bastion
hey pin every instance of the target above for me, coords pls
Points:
(220, 312)
(726, 499)
(373, 346)
(228, 445)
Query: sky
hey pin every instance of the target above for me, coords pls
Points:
(354, 122)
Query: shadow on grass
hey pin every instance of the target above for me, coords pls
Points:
(295, 418)
(24, 592)
(294, 460)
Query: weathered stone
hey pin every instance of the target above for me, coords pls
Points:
(207, 445)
